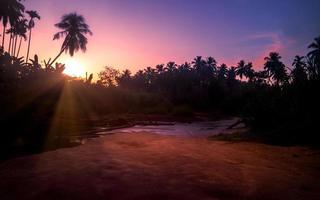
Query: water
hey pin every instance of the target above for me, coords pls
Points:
(207, 128)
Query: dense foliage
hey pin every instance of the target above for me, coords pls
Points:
(278, 100)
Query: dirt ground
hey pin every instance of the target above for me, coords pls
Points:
(149, 166)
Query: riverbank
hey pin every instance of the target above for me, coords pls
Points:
(64, 132)
(153, 166)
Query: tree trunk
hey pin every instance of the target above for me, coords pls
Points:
(62, 50)
(27, 58)
(15, 45)
(3, 35)
(9, 48)
(19, 46)
(12, 44)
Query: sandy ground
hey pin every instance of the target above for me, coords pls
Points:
(149, 166)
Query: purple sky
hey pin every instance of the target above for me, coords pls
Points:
(138, 33)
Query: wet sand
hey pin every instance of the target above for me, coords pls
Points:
(153, 166)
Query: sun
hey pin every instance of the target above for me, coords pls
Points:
(74, 68)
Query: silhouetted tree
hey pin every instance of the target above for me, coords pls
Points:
(10, 31)
(222, 72)
(241, 69)
(17, 30)
(275, 68)
(22, 30)
(250, 73)
(75, 30)
(314, 58)
(212, 64)
(10, 11)
(160, 68)
(150, 73)
(33, 15)
(171, 67)
(198, 62)
(185, 67)
(124, 80)
(298, 73)
(231, 74)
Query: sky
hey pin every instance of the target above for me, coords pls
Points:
(135, 34)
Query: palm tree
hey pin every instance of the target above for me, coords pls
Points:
(17, 30)
(241, 69)
(33, 15)
(249, 72)
(185, 67)
(124, 79)
(311, 68)
(171, 66)
(10, 31)
(231, 74)
(198, 62)
(299, 71)
(74, 30)
(10, 11)
(204, 68)
(222, 71)
(212, 63)
(245, 70)
(21, 32)
(275, 68)
(211, 67)
(314, 56)
(160, 68)
(149, 73)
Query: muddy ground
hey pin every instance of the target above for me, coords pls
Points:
(152, 166)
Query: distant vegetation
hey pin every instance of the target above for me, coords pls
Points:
(39, 103)
(279, 101)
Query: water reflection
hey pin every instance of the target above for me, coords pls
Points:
(201, 129)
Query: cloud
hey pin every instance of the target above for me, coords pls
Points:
(257, 46)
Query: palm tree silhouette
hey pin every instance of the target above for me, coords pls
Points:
(212, 63)
(10, 11)
(231, 74)
(275, 68)
(245, 70)
(17, 30)
(74, 29)
(10, 31)
(33, 15)
(124, 79)
(198, 62)
(222, 71)
(185, 67)
(171, 66)
(249, 72)
(21, 32)
(241, 69)
(314, 57)
(149, 73)
(160, 68)
(299, 70)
